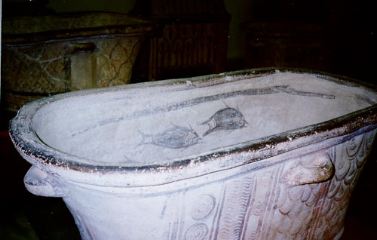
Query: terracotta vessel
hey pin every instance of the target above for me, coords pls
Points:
(47, 55)
(258, 154)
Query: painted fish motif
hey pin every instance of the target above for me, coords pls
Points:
(174, 137)
(225, 119)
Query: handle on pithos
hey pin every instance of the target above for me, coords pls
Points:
(40, 183)
(312, 168)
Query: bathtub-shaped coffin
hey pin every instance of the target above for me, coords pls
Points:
(258, 154)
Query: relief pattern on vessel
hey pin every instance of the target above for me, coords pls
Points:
(198, 231)
(203, 207)
(317, 211)
(263, 205)
(225, 119)
(349, 159)
(174, 137)
(236, 210)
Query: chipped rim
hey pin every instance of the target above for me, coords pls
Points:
(35, 151)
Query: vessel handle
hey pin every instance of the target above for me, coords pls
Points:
(83, 62)
(40, 183)
(314, 168)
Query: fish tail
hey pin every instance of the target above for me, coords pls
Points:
(206, 121)
(226, 105)
(208, 131)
